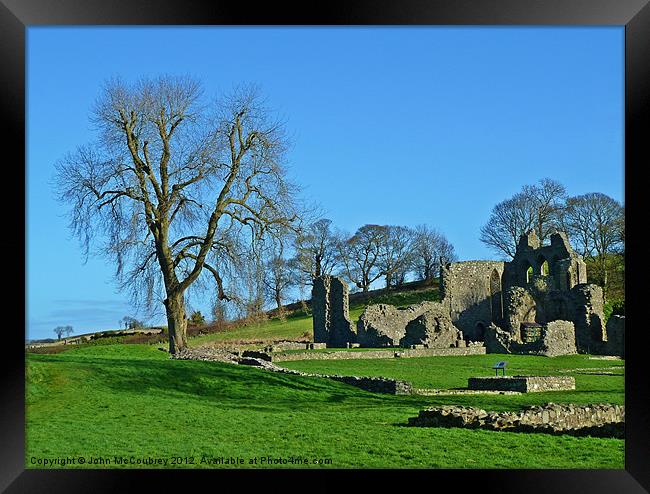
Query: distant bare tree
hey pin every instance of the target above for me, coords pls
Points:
(429, 246)
(247, 291)
(396, 254)
(278, 277)
(219, 311)
(131, 322)
(548, 201)
(61, 330)
(316, 252)
(361, 255)
(596, 222)
(175, 186)
(537, 207)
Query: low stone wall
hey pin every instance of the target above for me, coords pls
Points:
(262, 360)
(375, 384)
(378, 354)
(600, 420)
(522, 384)
(278, 346)
(207, 354)
(372, 384)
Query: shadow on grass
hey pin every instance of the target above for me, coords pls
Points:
(223, 384)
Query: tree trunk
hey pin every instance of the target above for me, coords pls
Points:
(318, 271)
(278, 302)
(176, 323)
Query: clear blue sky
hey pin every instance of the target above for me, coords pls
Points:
(400, 125)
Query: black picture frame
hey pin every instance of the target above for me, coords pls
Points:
(17, 15)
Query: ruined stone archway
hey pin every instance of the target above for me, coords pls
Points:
(496, 296)
(543, 266)
(527, 271)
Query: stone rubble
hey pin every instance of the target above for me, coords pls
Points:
(598, 420)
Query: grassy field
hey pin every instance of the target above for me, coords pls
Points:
(132, 401)
(597, 381)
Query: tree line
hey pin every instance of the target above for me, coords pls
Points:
(594, 222)
(393, 253)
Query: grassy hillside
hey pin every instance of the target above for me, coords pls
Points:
(133, 401)
(300, 326)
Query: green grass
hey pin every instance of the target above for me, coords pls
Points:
(274, 329)
(592, 386)
(133, 401)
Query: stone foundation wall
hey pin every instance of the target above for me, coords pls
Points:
(379, 354)
(601, 420)
(376, 384)
(522, 384)
(293, 345)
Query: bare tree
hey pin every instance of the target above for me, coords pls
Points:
(595, 222)
(131, 322)
(429, 247)
(61, 330)
(316, 252)
(396, 254)
(247, 291)
(548, 201)
(278, 277)
(219, 311)
(174, 186)
(360, 255)
(537, 207)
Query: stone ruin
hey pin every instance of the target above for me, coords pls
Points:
(615, 336)
(427, 324)
(545, 286)
(330, 309)
(538, 303)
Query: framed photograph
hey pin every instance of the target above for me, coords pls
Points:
(372, 243)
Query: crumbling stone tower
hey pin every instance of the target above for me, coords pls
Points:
(562, 267)
(547, 283)
(330, 308)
